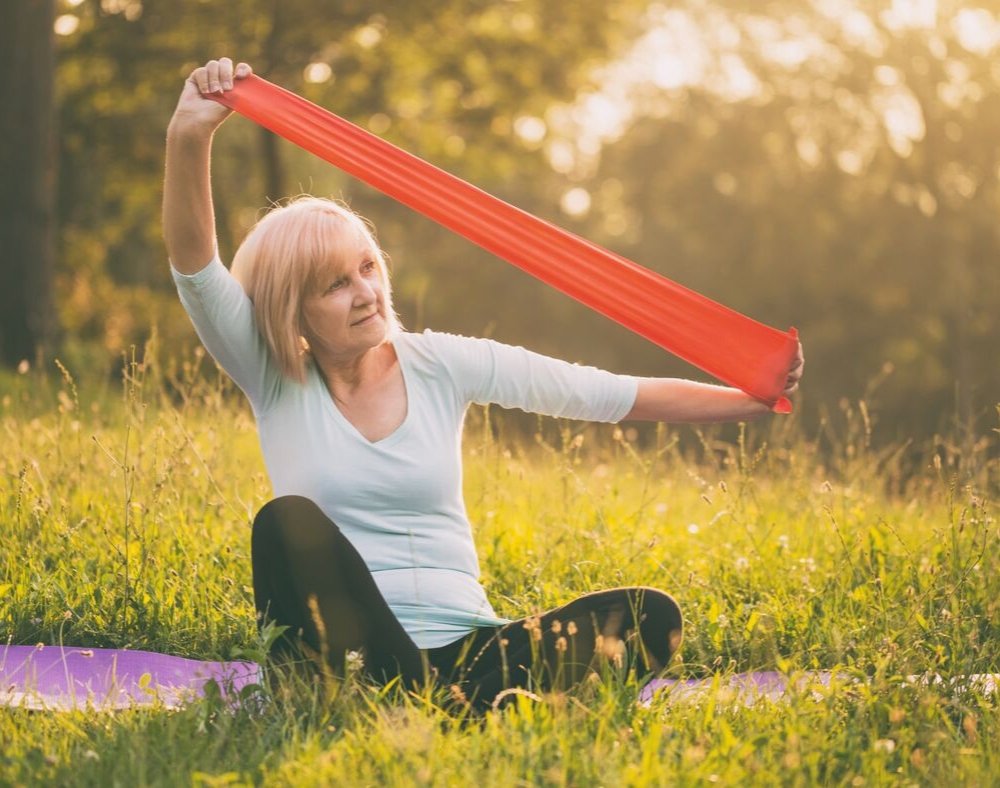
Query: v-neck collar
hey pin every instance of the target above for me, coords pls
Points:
(338, 415)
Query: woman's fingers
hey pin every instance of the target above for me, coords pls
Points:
(217, 76)
(212, 69)
(795, 371)
(225, 73)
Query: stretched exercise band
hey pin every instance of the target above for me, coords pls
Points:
(728, 345)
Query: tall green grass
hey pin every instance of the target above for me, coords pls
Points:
(125, 517)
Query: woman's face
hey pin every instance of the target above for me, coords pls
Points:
(345, 316)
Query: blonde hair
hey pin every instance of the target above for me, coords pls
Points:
(285, 257)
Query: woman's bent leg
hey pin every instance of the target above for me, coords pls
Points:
(309, 577)
(559, 648)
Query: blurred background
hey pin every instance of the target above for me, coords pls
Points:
(828, 164)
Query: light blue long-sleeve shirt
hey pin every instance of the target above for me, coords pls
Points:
(399, 499)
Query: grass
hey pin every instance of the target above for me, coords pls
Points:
(125, 519)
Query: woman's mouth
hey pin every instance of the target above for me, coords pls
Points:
(365, 320)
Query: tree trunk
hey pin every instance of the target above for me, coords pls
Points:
(274, 170)
(27, 178)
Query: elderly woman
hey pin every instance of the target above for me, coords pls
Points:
(367, 546)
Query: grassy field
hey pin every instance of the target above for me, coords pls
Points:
(125, 523)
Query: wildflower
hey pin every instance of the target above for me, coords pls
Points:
(969, 724)
(742, 564)
(888, 746)
(571, 628)
(556, 627)
(783, 542)
(24, 367)
(457, 693)
(722, 621)
(694, 754)
(693, 528)
(355, 661)
(561, 644)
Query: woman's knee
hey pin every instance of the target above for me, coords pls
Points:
(288, 518)
(657, 606)
(660, 624)
(654, 613)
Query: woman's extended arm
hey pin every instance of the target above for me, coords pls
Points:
(672, 399)
(188, 218)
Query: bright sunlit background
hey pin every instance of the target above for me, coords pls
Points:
(828, 164)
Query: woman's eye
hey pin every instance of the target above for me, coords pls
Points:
(335, 285)
(368, 266)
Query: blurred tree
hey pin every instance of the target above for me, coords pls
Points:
(832, 165)
(826, 163)
(27, 188)
(431, 76)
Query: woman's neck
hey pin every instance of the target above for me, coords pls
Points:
(347, 376)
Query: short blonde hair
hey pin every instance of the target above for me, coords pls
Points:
(286, 256)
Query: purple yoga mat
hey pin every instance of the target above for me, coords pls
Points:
(749, 688)
(68, 677)
(744, 687)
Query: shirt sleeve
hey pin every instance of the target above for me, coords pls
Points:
(485, 371)
(223, 317)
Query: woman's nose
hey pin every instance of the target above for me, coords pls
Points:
(365, 291)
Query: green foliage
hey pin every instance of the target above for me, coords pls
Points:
(810, 165)
(126, 519)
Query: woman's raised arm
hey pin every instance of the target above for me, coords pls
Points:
(188, 218)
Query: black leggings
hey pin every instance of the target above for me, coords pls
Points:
(308, 577)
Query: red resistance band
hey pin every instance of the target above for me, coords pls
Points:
(732, 347)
